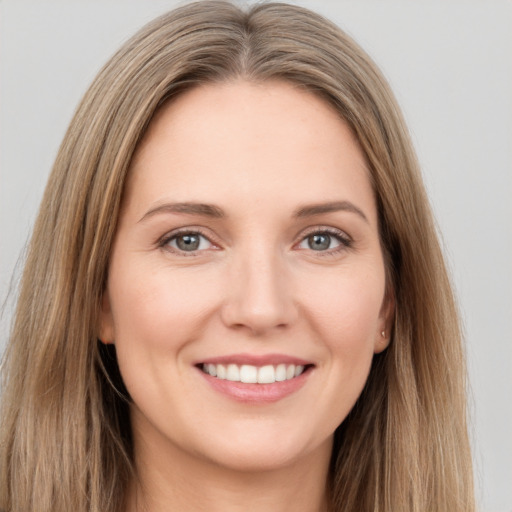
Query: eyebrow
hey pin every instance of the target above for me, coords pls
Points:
(335, 206)
(202, 209)
(210, 210)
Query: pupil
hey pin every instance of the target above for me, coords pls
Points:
(319, 242)
(188, 242)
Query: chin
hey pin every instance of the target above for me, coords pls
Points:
(258, 454)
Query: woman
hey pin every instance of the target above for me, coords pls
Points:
(240, 301)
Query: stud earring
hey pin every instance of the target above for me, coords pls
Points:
(383, 334)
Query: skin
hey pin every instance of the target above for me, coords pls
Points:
(255, 285)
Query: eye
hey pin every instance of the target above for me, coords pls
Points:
(322, 241)
(189, 241)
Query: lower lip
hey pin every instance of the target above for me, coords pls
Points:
(257, 393)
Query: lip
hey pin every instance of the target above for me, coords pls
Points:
(256, 393)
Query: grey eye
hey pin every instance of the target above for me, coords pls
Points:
(189, 242)
(319, 241)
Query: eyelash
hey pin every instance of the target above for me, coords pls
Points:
(344, 240)
(166, 239)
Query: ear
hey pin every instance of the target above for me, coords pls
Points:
(385, 324)
(106, 328)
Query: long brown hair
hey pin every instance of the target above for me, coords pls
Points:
(65, 435)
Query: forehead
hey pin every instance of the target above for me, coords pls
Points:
(245, 140)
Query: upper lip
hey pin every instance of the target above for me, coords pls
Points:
(255, 360)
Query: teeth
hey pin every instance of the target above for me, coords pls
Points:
(248, 374)
(253, 374)
(233, 373)
(221, 371)
(280, 372)
(266, 375)
(212, 370)
(298, 370)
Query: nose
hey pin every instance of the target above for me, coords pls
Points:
(260, 296)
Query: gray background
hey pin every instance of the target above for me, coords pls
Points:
(450, 65)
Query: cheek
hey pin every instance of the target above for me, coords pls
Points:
(157, 313)
(346, 306)
(158, 309)
(345, 313)
(341, 311)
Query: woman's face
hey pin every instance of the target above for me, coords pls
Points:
(246, 289)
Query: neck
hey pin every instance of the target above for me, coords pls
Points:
(172, 478)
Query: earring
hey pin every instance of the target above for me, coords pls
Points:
(383, 334)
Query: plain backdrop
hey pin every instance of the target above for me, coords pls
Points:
(450, 65)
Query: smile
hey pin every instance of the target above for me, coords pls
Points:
(249, 374)
(256, 379)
